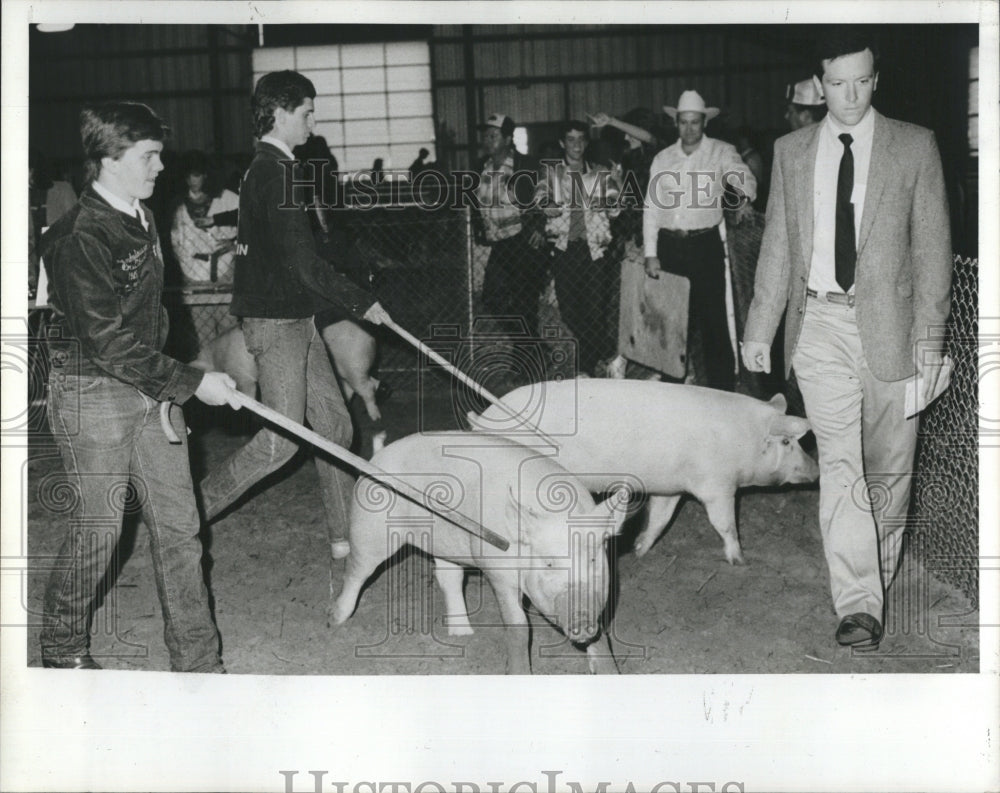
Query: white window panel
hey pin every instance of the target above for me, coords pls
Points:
(326, 81)
(362, 55)
(272, 59)
(361, 81)
(333, 132)
(410, 130)
(374, 131)
(410, 104)
(408, 78)
(328, 108)
(408, 52)
(321, 57)
(364, 106)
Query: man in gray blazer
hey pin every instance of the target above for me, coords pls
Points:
(857, 247)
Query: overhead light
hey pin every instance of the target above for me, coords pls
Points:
(53, 27)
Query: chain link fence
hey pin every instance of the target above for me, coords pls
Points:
(945, 507)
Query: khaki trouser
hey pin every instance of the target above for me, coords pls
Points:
(866, 450)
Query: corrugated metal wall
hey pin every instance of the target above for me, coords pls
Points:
(538, 74)
(196, 77)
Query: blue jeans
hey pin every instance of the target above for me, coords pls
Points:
(296, 378)
(111, 443)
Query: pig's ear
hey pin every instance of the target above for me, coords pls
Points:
(790, 426)
(779, 403)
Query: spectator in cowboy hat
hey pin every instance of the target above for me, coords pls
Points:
(805, 104)
(683, 211)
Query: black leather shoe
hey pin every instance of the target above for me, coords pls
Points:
(859, 631)
(76, 662)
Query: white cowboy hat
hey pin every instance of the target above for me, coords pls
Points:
(804, 93)
(691, 101)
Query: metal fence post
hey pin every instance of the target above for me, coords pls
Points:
(470, 255)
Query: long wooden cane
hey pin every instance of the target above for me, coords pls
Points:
(425, 500)
(454, 370)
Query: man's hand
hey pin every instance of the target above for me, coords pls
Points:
(599, 119)
(376, 314)
(537, 240)
(652, 265)
(936, 376)
(756, 356)
(204, 223)
(742, 212)
(218, 388)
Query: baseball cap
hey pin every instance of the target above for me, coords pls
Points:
(504, 123)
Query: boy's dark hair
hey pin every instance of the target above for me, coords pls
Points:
(572, 126)
(837, 41)
(109, 129)
(193, 161)
(286, 89)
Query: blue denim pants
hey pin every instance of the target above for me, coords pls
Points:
(296, 378)
(112, 445)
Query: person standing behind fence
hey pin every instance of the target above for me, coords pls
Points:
(204, 248)
(857, 248)
(575, 194)
(684, 207)
(280, 282)
(515, 272)
(107, 381)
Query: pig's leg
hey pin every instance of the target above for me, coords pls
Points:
(361, 563)
(661, 510)
(722, 513)
(517, 630)
(450, 578)
(600, 658)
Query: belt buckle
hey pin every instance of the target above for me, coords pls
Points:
(849, 299)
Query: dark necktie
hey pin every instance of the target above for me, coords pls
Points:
(845, 253)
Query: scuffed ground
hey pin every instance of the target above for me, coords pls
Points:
(679, 609)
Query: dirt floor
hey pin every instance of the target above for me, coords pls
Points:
(679, 609)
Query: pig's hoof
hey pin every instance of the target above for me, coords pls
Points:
(338, 614)
(340, 549)
(736, 559)
(641, 546)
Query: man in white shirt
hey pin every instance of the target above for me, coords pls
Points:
(680, 224)
(857, 247)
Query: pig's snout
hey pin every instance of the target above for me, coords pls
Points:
(579, 622)
(806, 469)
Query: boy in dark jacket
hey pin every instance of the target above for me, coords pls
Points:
(107, 380)
(280, 281)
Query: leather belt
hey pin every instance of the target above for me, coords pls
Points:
(683, 233)
(833, 297)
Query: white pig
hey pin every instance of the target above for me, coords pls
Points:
(672, 438)
(351, 348)
(557, 554)
(228, 353)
